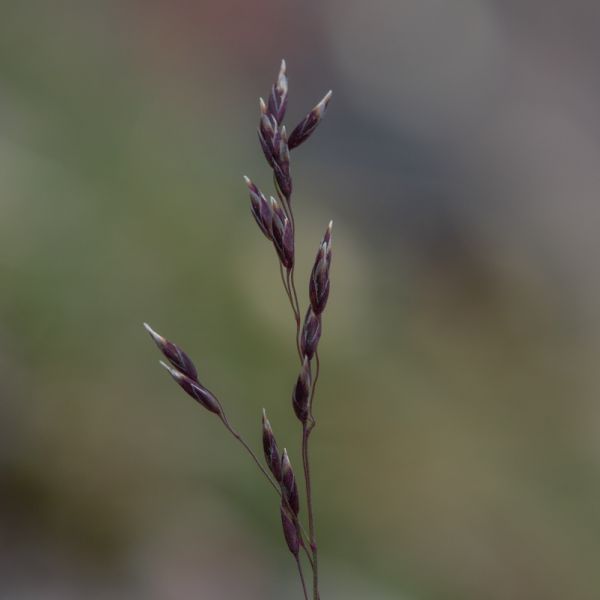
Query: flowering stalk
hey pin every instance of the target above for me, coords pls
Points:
(275, 220)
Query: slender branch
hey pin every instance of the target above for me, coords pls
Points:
(296, 310)
(306, 429)
(285, 284)
(302, 578)
(314, 388)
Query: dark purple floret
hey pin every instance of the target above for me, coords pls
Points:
(288, 483)
(306, 127)
(311, 333)
(175, 355)
(266, 134)
(301, 393)
(197, 391)
(290, 531)
(270, 448)
(319, 278)
(279, 93)
(284, 180)
(260, 208)
(283, 234)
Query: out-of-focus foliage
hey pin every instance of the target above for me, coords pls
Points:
(457, 450)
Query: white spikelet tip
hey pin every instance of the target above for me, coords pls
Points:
(266, 423)
(263, 106)
(282, 83)
(322, 106)
(247, 180)
(155, 336)
(173, 372)
(330, 226)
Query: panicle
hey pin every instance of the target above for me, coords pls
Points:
(288, 484)
(306, 127)
(290, 531)
(270, 448)
(311, 333)
(319, 278)
(175, 355)
(301, 393)
(196, 390)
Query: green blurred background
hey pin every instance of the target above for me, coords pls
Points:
(457, 453)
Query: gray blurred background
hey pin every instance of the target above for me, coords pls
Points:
(457, 454)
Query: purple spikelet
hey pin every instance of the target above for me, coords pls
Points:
(290, 531)
(175, 355)
(271, 451)
(196, 390)
(319, 278)
(301, 393)
(279, 93)
(288, 483)
(306, 127)
(311, 333)
(260, 208)
(283, 234)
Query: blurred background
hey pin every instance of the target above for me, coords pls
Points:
(457, 454)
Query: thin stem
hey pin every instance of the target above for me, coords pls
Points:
(314, 388)
(307, 552)
(306, 429)
(295, 309)
(285, 284)
(302, 578)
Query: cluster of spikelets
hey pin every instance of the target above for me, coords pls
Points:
(275, 219)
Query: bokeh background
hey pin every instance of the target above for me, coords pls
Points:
(458, 449)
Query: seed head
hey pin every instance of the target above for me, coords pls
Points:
(290, 531)
(306, 127)
(270, 448)
(311, 333)
(196, 390)
(288, 483)
(301, 393)
(319, 278)
(175, 355)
